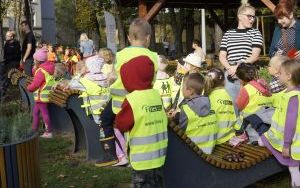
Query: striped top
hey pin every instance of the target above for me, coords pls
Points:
(238, 43)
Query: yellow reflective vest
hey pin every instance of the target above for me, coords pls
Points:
(201, 130)
(117, 89)
(275, 134)
(42, 94)
(148, 139)
(164, 87)
(256, 101)
(222, 104)
(94, 97)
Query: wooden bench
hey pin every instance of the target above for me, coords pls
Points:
(187, 166)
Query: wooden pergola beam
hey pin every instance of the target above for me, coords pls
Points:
(269, 4)
(142, 8)
(155, 9)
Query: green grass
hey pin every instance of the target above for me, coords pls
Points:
(60, 168)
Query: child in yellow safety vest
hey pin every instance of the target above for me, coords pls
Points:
(196, 117)
(221, 103)
(254, 102)
(43, 80)
(163, 82)
(283, 138)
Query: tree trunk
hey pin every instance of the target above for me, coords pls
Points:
(121, 31)
(27, 13)
(1, 42)
(189, 30)
(152, 39)
(177, 28)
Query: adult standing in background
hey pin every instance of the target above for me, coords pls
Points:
(86, 45)
(198, 50)
(28, 48)
(12, 56)
(286, 37)
(242, 44)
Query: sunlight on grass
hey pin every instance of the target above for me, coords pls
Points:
(61, 168)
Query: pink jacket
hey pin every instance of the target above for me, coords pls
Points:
(39, 77)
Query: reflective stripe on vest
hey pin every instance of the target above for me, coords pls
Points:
(202, 129)
(275, 134)
(148, 138)
(42, 94)
(118, 91)
(164, 87)
(222, 104)
(256, 101)
(94, 97)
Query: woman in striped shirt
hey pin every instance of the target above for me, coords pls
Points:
(242, 44)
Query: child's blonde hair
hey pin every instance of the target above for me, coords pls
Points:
(107, 55)
(139, 29)
(277, 60)
(215, 78)
(292, 66)
(162, 62)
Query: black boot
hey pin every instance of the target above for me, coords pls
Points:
(109, 153)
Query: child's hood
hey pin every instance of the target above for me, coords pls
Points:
(94, 64)
(261, 86)
(48, 66)
(200, 105)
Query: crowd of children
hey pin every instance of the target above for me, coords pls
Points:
(134, 92)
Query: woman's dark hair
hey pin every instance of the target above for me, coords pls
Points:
(197, 42)
(215, 78)
(284, 8)
(246, 72)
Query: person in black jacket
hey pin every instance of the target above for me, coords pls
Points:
(12, 56)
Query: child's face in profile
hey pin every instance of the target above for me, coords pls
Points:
(273, 70)
(187, 92)
(284, 76)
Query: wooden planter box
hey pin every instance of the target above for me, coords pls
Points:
(19, 164)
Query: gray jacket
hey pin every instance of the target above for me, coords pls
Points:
(199, 104)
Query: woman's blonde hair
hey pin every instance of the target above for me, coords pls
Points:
(83, 37)
(107, 55)
(244, 6)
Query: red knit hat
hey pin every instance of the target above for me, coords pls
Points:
(137, 73)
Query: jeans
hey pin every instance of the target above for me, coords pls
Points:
(28, 64)
(233, 89)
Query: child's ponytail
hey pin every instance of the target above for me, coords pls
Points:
(215, 78)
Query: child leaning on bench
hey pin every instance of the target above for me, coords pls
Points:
(43, 80)
(254, 102)
(196, 117)
(144, 120)
(283, 138)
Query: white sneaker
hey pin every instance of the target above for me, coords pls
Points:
(47, 135)
(122, 162)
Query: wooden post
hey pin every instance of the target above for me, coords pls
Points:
(263, 34)
(269, 4)
(142, 8)
(155, 9)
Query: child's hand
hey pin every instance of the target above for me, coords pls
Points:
(286, 152)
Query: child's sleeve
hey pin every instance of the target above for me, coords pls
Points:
(38, 80)
(291, 121)
(124, 119)
(183, 120)
(242, 99)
